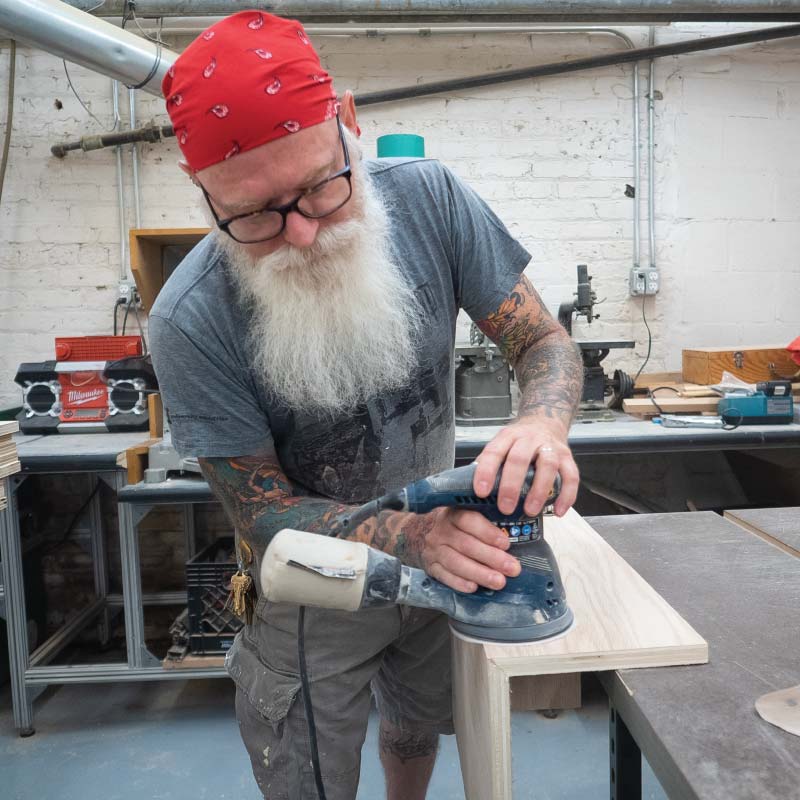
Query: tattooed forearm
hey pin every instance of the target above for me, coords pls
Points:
(546, 361)
(550, 377)
(260, 500)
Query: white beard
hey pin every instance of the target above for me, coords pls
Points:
(334, 324)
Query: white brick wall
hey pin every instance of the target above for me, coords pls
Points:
(552, 157)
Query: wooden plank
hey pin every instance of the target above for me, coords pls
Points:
(9, 468)
(134, 460)
(192, 661)
(7, 427)
(758, 363)
(778, 526)
(620, 622)
(782, 709)
(671, 405)
(650, 380)
(482, 717)
(155, 412)
(545, 692)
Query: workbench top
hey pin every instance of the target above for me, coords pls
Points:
(75, 452)
(697, 725)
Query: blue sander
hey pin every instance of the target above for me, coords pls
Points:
(315, 570)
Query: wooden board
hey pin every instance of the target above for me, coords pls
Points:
(650, 380)
(7, 427)
(146, 249)
(545, 692)
(778, 526)
(9, 468)
(134, 460)
(758, 363)
(194, 662)
(782, 709)
(620, 622)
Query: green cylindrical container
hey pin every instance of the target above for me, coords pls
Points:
(401, 145)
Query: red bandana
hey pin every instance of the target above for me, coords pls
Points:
(245, 81)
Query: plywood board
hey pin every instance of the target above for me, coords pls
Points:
(779, 526)
(782, 709)
(545, 692)
(620, 622)
(7, 427)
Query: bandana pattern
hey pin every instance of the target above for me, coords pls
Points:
(249, 79)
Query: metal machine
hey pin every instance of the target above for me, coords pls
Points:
(483, 382)
(316, 570)
(597, 386)
(770, 404)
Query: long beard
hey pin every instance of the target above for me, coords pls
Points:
(332, 325)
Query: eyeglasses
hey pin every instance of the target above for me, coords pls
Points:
(321, 200)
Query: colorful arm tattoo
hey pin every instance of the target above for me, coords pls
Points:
(546, 361)
(260, 500)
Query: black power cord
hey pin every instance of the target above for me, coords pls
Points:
(309, 709)
(649, 343)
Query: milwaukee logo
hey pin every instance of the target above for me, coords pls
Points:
(78, 397)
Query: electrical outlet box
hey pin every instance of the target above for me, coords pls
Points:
(127, 290)
(644, 280)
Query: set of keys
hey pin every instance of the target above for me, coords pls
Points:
(242, 597)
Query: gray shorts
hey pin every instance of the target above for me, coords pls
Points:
(402, 653)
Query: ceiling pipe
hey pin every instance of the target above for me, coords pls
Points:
(579, 64)
(616, 11)
(76, 36)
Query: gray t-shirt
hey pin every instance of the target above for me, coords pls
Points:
(453, 251)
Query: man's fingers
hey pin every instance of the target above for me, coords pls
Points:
(464, 567)
(489, 461)
(436, 570)
(547, 461)
(570, 479)
(475, 524)
(514, 470)
(485, 554)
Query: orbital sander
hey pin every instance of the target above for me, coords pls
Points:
(316, 570)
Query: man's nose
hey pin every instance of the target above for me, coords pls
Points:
(300, 231)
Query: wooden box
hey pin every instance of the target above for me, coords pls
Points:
(155, 252)
(705, 365)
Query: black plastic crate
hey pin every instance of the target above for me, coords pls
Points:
(212, 623)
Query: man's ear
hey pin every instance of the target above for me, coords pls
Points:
(347, 113)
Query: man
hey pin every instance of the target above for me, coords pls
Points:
(305, 354)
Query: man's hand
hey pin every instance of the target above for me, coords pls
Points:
(464, 550)
(542, 442)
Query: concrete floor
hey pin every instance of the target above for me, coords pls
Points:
(178, 740)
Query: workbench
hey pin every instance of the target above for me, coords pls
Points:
(697, 726)
(652, 543)
(99, 456)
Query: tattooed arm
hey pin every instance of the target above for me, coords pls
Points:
(459, 548)
(550, 375)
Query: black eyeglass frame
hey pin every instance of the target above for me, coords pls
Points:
(288, 208)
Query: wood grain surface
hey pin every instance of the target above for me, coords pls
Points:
(620, 622)
(782, 709)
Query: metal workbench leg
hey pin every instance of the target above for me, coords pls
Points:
(129, 518)
(189, 530)
(626, 760)
(99, 559)
(16, 618)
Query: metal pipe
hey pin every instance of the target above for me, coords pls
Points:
(68, 33)
(123, 228)
(580, 64)
(636, 147)
(137, 193)
(651, 156)
(634, 11)
(148, 133)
